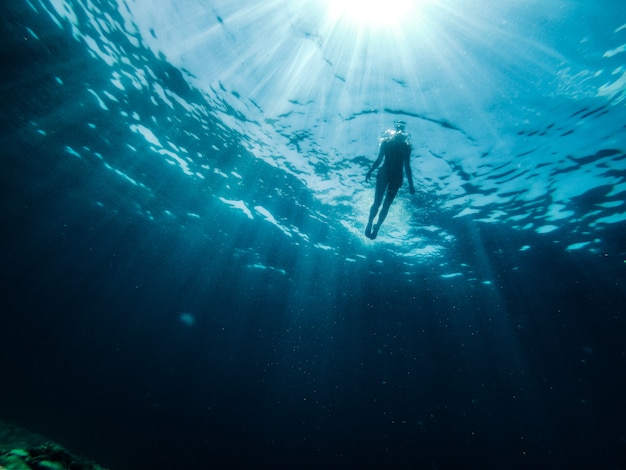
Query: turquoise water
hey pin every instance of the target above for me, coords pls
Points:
(186, 270)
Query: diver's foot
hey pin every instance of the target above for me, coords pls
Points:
(368, 230)
(375, 231)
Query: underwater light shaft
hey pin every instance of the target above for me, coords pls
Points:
(373, 12)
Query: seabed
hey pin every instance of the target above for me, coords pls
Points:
(21, 449)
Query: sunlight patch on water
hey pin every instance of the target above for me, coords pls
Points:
(146, 133)
(238, 205)
(263, 267)
(577, 246)
(267, 215)
(546, 229)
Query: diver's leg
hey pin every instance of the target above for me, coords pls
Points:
(391, 194)
(378, 198)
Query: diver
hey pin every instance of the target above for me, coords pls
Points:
(395, 150)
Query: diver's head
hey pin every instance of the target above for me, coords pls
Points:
(399, 125)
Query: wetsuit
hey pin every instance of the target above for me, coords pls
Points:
(396, 153)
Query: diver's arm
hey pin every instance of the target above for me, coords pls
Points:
(409, 173)
(381, 154)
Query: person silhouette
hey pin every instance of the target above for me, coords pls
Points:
(394, 154)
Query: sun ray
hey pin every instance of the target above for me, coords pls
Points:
(373, 13)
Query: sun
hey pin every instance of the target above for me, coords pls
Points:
(373, 13)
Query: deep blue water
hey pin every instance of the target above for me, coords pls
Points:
(185, 279)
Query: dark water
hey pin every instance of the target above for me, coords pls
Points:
(172, 298)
